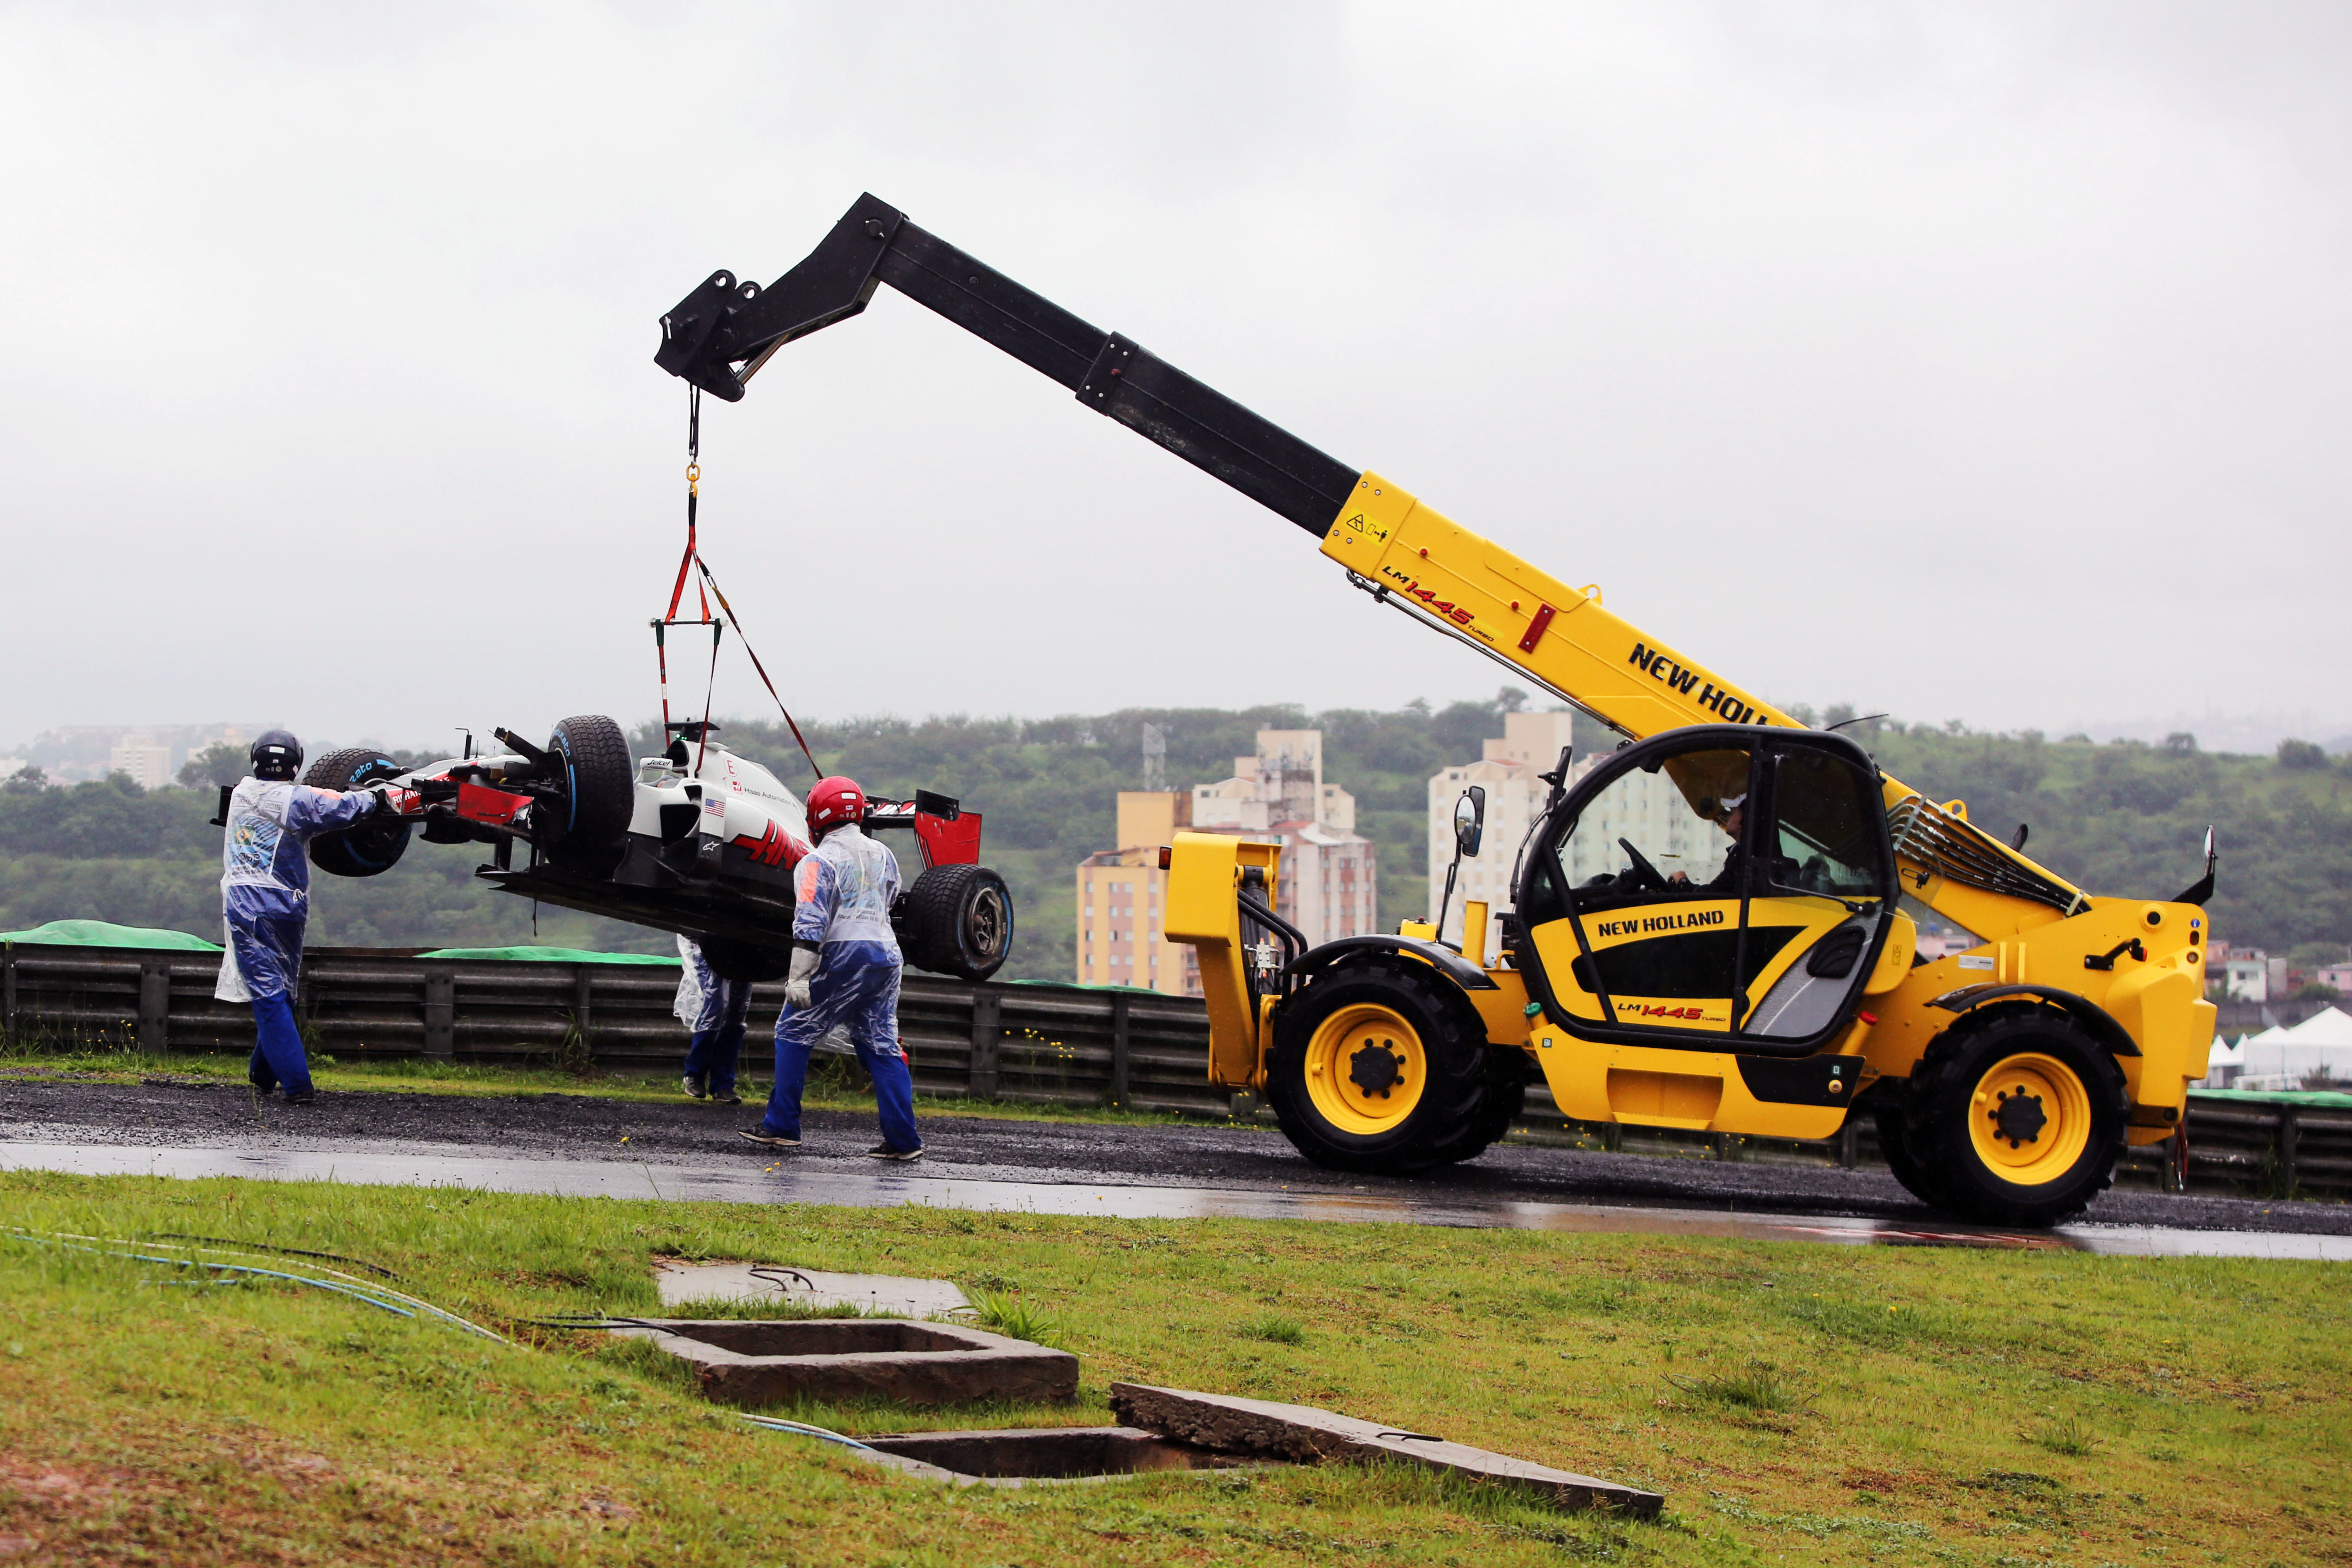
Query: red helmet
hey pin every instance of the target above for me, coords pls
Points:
(833, 802)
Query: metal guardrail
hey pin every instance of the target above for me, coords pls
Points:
(1044, 1044)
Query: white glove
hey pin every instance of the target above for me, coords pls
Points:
(796, 988)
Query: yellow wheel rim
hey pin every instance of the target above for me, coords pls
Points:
(2030, 1119)
(1365, 1070)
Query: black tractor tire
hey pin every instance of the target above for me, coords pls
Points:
(751, 961)
(1506, 1097)
(956, 920)
(1387, 1013)
(2067, 1089)
(1892, 1117)
(368, 848)
(585, 830)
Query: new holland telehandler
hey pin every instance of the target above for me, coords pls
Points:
(1768, 985)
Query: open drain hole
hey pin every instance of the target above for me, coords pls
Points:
(1049, 1454)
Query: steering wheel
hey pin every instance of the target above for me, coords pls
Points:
(1644, 875)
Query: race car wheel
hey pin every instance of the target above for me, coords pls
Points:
(751, 961)
(373, 848)
(584, 828)
(957, 919)
(1382, 1067)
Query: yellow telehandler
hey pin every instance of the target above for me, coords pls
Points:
(1769, 985)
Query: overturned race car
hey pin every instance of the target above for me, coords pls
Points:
(699, 840)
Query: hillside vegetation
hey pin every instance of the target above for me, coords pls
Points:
(2120, 818)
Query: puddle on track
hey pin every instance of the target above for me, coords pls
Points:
(758, 1184)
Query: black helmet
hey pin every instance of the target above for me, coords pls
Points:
(276, 755)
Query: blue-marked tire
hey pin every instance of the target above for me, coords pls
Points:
(373, 848)
(585, 829)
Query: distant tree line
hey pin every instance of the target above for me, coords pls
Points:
(2121, 817)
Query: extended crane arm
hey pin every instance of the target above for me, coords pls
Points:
(1401, 552)
(719, 336)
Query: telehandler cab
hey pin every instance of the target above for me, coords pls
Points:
(1769, 986)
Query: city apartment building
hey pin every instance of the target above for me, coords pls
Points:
(1329, 888)
(147, 761)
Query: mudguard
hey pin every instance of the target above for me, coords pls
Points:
(2089, 1014)
(1463, 973)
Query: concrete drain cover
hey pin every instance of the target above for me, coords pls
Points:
(1020, 1456)
(753, 1362)
(1305, 1435)
(681, 1283)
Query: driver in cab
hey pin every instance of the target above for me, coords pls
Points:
(1729, 814)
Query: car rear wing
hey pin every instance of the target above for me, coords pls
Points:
(949, 834)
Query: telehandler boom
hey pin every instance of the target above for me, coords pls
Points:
(1769, 985)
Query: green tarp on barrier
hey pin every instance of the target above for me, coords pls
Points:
(545, 955)
(2329, 1098)
(105, 933)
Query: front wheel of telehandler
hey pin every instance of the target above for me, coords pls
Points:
(1381, 1069)
(2019, 1120)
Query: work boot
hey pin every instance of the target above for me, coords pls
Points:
(301, 1096)
(725, 1096)
(884, 1151)
(693, 1085)
(261, 1084)
(761, 1135)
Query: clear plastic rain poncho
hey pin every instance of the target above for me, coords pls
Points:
(266, 880)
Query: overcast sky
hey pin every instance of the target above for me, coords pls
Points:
(1989, 362)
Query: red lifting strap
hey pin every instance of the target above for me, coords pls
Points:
(692, 562)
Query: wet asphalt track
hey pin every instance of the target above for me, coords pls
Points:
(685, 1149)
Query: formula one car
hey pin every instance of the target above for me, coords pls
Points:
(699, 840)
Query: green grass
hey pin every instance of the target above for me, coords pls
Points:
(831, 1086)
(1768, 1389)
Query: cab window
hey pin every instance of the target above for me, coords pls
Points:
(1826, 830)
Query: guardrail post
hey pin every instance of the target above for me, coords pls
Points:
(584, 983)
(1849, 1144)
(154, 1005)
(9, 989)
(1119, 1049)
(1612, 1136)
(2289, 1135)
(440, 1014)
(986, 1009)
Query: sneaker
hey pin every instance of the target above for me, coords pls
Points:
(884, 1151)
(761, 1135)
(301, 1096)
(692, 1084)
(725, 1096)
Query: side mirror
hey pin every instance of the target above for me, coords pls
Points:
(1470, 820)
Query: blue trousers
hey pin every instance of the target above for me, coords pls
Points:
(718, 1040)
(266, 931)
(855, 987)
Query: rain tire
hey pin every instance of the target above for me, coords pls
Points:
(1939, 1125)
(584, 830)
(956, 920)
(368, 848)
(1460, 1109)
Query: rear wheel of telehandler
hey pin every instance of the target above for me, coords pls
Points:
(1381, 1069)
(2019, 1120)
